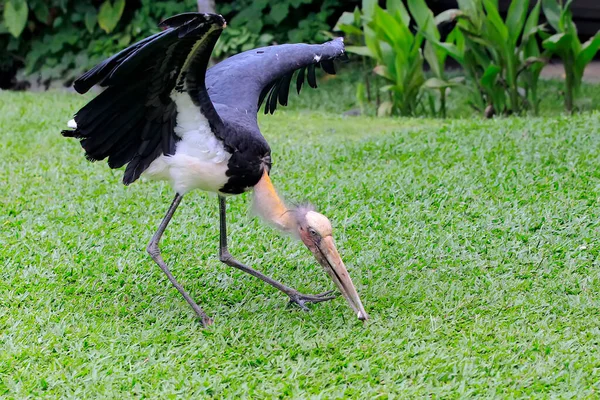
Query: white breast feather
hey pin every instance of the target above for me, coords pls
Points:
(200, 160)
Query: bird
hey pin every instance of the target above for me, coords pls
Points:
(164, 116)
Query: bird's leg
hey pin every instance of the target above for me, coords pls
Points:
(154, 252)
(225, 257)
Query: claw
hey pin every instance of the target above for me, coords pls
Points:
(301, 299)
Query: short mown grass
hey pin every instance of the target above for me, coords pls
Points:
(473, 244)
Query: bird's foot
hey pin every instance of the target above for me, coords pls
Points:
(301, 299)
(206, 322)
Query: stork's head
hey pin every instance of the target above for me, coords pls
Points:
(315, 231)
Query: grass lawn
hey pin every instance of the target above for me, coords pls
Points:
(473, 244)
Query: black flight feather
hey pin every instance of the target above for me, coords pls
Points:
(244, 81)
(132, 122)
(273, 97)
(328, 67)
(311, 76)
(102, 70)
(264, 93)
(300, 79)
(284, 89)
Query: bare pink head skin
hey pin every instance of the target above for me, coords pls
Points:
(315, 231)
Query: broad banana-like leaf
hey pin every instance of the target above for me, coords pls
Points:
(552, 13)
(423, 17)
(436, 83)
(347, 18)
(452, 50)
(368, 7)
(558, 43)
(360, 50)
(382, 70)
(397, 10)
(448, 16)
(432, 58)
(587, 53)
(488, 80)
(388, 29)
(493, 17)
(515, 19)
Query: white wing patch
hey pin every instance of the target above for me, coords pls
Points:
(200, 160)
(72, 124)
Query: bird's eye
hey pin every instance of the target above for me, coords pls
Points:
(312, 232)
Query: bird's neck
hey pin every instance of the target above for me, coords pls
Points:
(270, 206)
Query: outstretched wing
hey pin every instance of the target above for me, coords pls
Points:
(132, 121)
(245, 80)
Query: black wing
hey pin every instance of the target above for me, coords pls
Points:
(132, 121)
(247, 79)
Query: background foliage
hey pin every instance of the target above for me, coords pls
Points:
(499, 56)
(58, 39)
(403, 45)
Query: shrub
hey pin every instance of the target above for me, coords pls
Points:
(58, 39)
(500, 57)
(565, 43)
(397, 51)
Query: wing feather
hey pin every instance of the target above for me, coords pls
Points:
(299, 79)
(284, 89)
(311, 76)
(132, 122)
(244, 81)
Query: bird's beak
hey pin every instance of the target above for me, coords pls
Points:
(328, 256)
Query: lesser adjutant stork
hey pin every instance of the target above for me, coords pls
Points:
(166, 117)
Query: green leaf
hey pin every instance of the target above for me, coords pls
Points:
(372, 43)
(453, 51)
(448, 16)
(389, 29)
(515, 19)
(558, 43)
(494, 3)
(396, 8)
(433, 60)
(529, 43)
(436, 83)
(41, 12)
(347, 18)
(368, 8)
(587, 53)
(279, 11)
(110, 14)
(91, 18)
(532, 21)
(488, 80)
(458, 80)
(15, 16)
(360, 50)
(552, 13)
(493, 17)
(566, 20)
(349, 29)
(423, 17)
(361, 93)
(382, 70)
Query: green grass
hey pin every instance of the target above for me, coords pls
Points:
(473, 244)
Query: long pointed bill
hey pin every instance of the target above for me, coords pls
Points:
(328, 256)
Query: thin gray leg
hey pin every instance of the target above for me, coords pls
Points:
(226, 257)
(154, 252)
